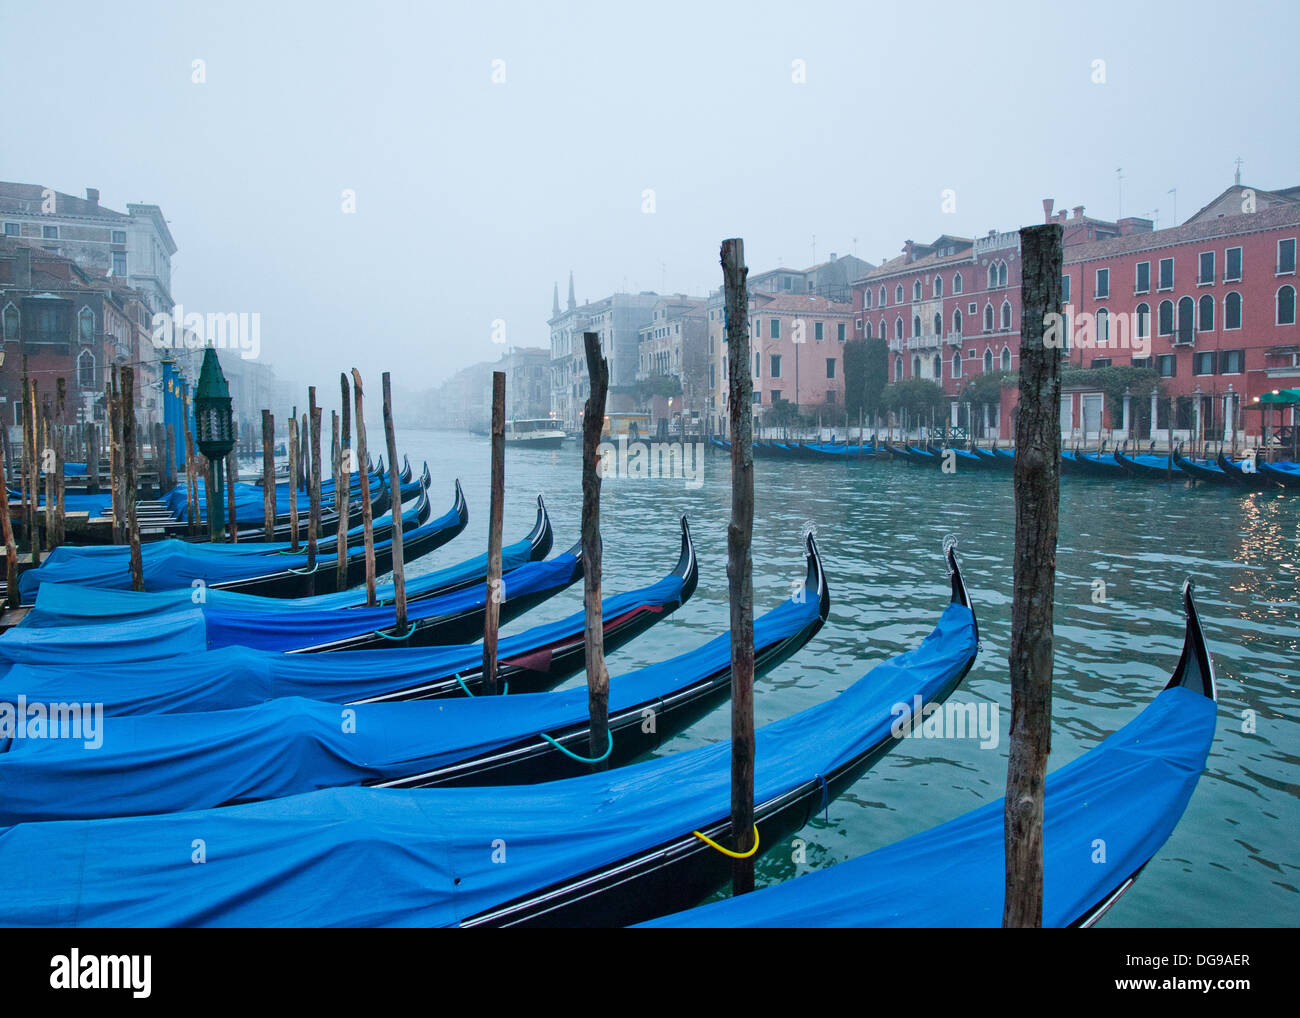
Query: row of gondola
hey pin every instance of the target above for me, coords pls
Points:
(1251, 473)
(379, 787)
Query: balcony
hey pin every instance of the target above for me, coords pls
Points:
(923, 343)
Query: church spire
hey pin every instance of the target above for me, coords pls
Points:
(573, 303)
(555, 302)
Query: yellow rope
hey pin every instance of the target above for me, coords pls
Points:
(726, 851)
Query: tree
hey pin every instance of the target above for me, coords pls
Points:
(876, 376)
(855, 377)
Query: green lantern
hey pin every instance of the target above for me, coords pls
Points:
(214, 434)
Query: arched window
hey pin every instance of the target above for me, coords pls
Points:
(898, 294)
(866, 299)
(938, 286)
(916, 290)
(868, 330)
(993, 275)
(86, 370)
(956, 365)
(1102, 323)
(988, 317)
(884, 333)
(916, 366)
(956, 283)
(1006, 314)
(882, 295)
(11, 320)
(956, 321)
(898, 327)
(1205, 313)
(916, 325)
(1006, 358)
(988, 361)
(898, 369)
(1232, 311)
(1286, 305)
(1142, 320)
(938, 368)
(1002, 273)
(86, 325)
(1166, 322)
(1186, 314)
(938, 324)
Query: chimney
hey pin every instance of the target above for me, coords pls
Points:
(907, 251)
(1078, 212)
(92, 196)
(832, 256)
(1047, 209)
(1060, 216)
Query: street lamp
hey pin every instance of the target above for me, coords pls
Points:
(215, 434)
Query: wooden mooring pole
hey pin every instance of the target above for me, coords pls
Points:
(593, 632)
(496, 510)
(293, 480)
(130, 480)
(59, 434)
(342, 484)
(232, 479)
(363, 462)
(313, 520)
(268, 475)
(1037, 487)
(11, 548)
(740, 567)
(395, 488)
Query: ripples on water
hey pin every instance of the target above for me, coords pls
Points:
(1230, 862)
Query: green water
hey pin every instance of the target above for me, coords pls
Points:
(1232, 860)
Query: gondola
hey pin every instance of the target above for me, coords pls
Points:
(1129, 792)
(172, 762)
(171, 565)
(1146, 466)
(168, 669)
(1096, 464)
(1203, 470)
(608, 848)
(1244, 473)
(1284, 472)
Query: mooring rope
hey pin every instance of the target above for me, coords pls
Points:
(582, 759)
(726, 851)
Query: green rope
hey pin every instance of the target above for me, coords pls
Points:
(582, 759)
(392, 636)
(305, 572)
(466, 688)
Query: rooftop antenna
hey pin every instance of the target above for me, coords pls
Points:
(1237, 178)
(855, 247)
(1174, 192)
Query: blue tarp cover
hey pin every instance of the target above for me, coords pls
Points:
(432, 857)
(1130, 792)
(163, 763)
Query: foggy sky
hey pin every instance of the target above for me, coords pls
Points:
(474, 198)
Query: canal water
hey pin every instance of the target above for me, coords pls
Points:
(1123, 554)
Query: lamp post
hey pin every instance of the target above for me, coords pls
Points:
(214, 435)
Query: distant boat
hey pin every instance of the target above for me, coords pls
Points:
(534, 434)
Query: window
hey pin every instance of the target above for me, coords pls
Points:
(830, 367)
(818, 328)
(724, 369)
(49, 233)
(988, 317)
(119, 236)
(119, 263)
(956, 321)
(898, 369)
(1232, 268)
(1006, 314)
(1099, 362)
(1065, 288)
(86, 370)
(1286, 305)
(884, 333)
(937, 366)
(1167, 365)
(12, 230)
(839, 332)
(1232, 362)
(830, 395)
(776, 396)
(1203, 363)
(916, 367)
(988, 361)
(1205, 268)
(916, 325)
(86, 325)
(971, 308)
(1186, 312)
(1103, 283)
(1102, 325)
(1166, 278)
(758, 365)
(1006, 358)
(1142, 321)
(956, 283)
(1232, 310)
(774, 329)
(993, 276)
(898, 327)
(866, 298)
(1286, 257)
(956, 365)
(898, 294)
(882, 296)
(1205, 314)
(868, 330)
(1166, 325)
(758, 397)
(775, 365)
(938, 286)
(938, 324)
(10, 320)
(916, 290)
(1142, 278)
(1002, 273)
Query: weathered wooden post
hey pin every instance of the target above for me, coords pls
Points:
(268, 475)
(343, 484)
(1037, 485)
(232, 479)
(367, 520)
(493, 593)
(395, 488)
(47, 465)
(593, 633)
(130, 482)
(11, 548)
(60, 435)
(293, 481)
(33, 471)
(191, 482)
(740, 579)
(313, 520)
